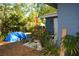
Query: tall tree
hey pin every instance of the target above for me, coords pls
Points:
(20, 15)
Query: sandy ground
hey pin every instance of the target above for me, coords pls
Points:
(11, 49)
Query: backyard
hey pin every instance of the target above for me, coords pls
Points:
(38, 29)
(24, 18)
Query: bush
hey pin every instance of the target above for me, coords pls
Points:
(44, 37)
(2, 38)
(70, 44)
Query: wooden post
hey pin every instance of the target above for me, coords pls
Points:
(62, 49)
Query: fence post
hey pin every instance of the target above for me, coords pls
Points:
(62, 49)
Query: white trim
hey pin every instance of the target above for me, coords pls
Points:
(55, 28)
(49, 15)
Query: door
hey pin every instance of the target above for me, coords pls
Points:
(50, 25)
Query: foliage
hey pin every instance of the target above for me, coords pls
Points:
(21, 17)
(45, 9)
(70, 44)
(41, 34)
(77, 37)
(49, 46)
(1, 38)
(14, 16)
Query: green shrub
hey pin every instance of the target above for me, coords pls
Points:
(44, 37)
(70, 44)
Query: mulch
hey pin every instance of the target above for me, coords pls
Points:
(13, 49)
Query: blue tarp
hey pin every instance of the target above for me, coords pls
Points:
(15, 36)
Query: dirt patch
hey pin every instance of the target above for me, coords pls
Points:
(12, 49)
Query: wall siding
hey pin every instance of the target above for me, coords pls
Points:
(68, 17)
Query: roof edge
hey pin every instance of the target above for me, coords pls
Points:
(52, 5)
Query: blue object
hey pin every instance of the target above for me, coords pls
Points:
(15, 36)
